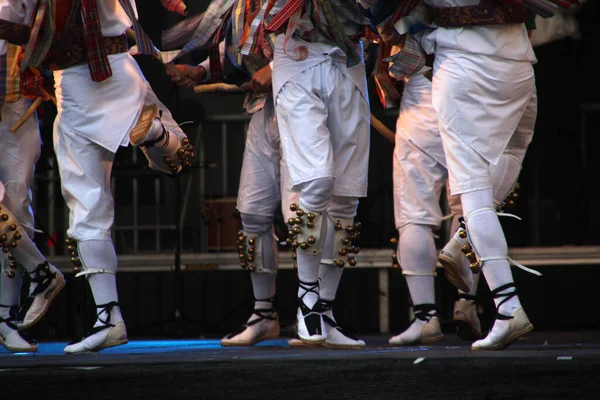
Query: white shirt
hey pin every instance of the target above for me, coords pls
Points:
(113, 19)
(510, 42)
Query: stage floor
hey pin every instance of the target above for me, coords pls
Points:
(539, 365)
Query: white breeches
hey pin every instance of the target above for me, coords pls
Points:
(324, 124)
(419, 164)
(85, 169)
(480, 101)
(20, 152)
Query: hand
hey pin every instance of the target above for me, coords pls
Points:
(261, 80)
(186, 75)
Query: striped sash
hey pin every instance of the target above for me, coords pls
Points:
(144, 44)
(41, 35)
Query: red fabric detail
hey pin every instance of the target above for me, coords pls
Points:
(92, 34)
(284, 15)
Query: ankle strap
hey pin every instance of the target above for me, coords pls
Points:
(106, 308)
(422, 311)
(312, 287)
(505, 297)
(43, 277)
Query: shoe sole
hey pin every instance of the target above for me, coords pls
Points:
(138, 134)
(104, 346)
(114, 343)
(57, 290)
(300, 343)
(312, 341)
(422, 341)
(343, 346)
(453, 274)
(32, 349)
(465, 330)
(508, 341)
(249, 344)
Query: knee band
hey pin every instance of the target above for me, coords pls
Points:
(79, 266)
(10, 233)
(345, 231)
(305, 230)
(10, 268)
(252, 248)
(10, 229)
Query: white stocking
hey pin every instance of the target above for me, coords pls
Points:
(100, 254)
(418, 259)
(487, 238)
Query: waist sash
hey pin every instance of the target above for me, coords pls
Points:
(488, 12)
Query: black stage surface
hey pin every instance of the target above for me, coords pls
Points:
(542, 364)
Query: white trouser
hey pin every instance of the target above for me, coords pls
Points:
(324, 125)
(419, 166)
(20, 152)
(85, 169)
(480, 101)
(264, 179)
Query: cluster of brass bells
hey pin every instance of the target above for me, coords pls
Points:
(302, 219)
(13, 265)
(395, 262)
(5, 242)
(353, 232)
(510, 199)
(72, 247)
(474, 263)
(247, 252)
(186, 156)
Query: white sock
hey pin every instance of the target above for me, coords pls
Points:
(418, 259)
(329, 275)
(29, 256)
(10, 288)
(263, 284)
(308, 269)
(314, 196)
(487, 238)
(308, 273)
(100, 254)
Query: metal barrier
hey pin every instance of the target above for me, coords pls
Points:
(379, 259)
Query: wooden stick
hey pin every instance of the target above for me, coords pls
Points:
(222, 87)
(36, 103)
(382, 129)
